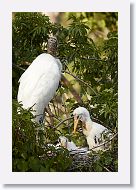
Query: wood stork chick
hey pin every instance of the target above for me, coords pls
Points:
(64, 142)
(70, 146)
(40, 81)
(93, 131)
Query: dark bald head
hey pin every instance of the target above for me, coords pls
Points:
(52, 46)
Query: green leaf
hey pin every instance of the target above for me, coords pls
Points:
(22, 165)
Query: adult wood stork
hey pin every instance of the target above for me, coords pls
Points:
(94, 132)
(40, 81)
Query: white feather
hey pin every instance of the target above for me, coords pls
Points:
(93, 131)
(39, 83)
(70, 146)
(64, 142)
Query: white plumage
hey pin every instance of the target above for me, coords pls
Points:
(70, 146)
(39, 83)
(93, 131)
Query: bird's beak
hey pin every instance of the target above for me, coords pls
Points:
(76, 120)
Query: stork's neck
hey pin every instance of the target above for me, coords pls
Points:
(52, 52)
(89, 123)
(87, 126)
(52, 46)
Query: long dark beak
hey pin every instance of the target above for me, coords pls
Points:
(76, 120)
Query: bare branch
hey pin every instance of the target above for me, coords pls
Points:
(106, 142)
(81, 81)
(47, 108)
(93, 58)
(17, 67)
(105, 168)
(63, 121)
(72, 90)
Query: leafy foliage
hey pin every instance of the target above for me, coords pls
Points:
(30, 147)
(30, 31)
(94, 61)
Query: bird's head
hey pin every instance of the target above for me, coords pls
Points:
(52, 45)
(81, 114)
(63, 141)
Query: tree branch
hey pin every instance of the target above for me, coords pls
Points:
(63, 121)
(19, 68)
(81, 81)
(72, 90)
(47, 108)
(106, 142)
(93, 58)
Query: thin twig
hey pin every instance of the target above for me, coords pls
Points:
(54, 117)
(19, 68)
(71, 89)
(81, 81)
(47, 108)
(54, 107)
(106, 142)
(56, 104)
(105, 168)
(93, 58)
(63, 121)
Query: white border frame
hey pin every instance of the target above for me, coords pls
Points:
(123, 174)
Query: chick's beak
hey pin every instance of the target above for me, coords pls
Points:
(76, 120)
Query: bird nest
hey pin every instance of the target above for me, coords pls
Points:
(82, 162)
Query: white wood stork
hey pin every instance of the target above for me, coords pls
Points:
(70, 146)
(93, 131)
(40, 81)
(64, 142)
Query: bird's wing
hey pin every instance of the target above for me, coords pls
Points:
(39, 82)
(71, 146)
(98, 128)
(102, 135)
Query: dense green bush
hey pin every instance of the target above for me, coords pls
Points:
(30, 150)
(94, 61)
